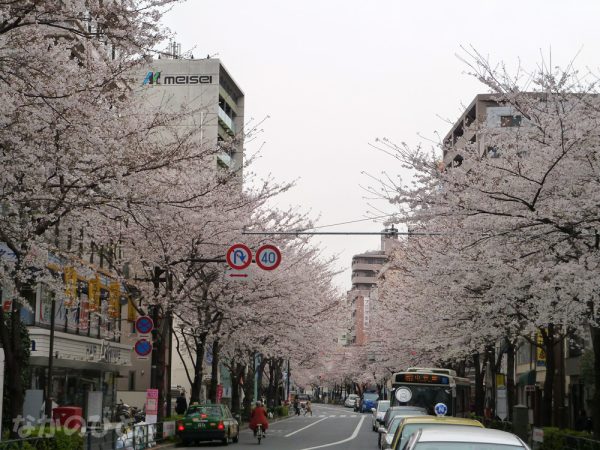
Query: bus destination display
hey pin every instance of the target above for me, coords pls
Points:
(421, 378)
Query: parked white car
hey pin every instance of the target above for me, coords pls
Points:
(465, 438)
(351, 401)
(378, 413)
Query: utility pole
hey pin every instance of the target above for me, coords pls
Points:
(157, 371)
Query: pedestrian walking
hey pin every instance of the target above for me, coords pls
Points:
(181, 404)
(308, 408)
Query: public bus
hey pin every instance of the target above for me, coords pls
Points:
(426, 387)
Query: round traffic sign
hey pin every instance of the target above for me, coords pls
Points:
(144, 325)
(440, 409)
(403, 394)
(143, 347)
(239, 256)
(268, 257)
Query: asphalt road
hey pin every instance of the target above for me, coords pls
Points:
(330, 427)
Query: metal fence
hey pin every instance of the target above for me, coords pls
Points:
(579, 443)
(135, 437)
(37, 443)
(130, 437)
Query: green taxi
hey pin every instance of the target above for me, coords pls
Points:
(208, 423)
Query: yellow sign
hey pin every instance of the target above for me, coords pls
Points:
(70, 285)
(131, 311)
(114, 293)
(94, 293)
(540, 356)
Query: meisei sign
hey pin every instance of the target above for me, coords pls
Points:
(154, 78)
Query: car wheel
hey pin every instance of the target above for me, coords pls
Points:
(185, 442)
(236, 438)
(225, 441)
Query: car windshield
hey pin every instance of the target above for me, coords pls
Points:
(383, 406)
(410, 428)
(463, 446)
(394, 425)
(303, 397)
(405, 413)
(208, 410)
(370, 396)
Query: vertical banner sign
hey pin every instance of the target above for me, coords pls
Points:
(540, 359)
(70, 286)
(151, 405)
(114, 304)
(131, 311)
(94, 293)
(219, 392)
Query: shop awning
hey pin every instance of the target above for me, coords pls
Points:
(527, 378)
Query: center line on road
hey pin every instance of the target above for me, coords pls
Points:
(356, 430)
(304, 428)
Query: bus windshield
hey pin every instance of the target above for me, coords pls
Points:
(428, 396)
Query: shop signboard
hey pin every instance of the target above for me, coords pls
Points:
(151, 405)
(219, 392)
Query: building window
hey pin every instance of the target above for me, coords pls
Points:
(524, 353)
(510, 121)
(131, 383)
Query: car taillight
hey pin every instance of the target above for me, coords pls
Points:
(180, 426)
(220, 426)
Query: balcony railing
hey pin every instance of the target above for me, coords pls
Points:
(226, 120)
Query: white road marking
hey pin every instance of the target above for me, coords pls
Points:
(304, 428)
(356, 430)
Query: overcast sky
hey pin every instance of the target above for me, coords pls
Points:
(334, 75)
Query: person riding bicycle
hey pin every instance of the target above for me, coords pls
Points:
(259, 416)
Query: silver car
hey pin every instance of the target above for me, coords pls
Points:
(351, 401)
(386, 435)
(465, 438)
(378, 413)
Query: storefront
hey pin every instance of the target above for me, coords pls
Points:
(87, 353)
(84, 374)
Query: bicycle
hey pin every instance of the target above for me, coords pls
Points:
(259, 432)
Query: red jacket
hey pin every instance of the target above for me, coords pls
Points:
(259, 415)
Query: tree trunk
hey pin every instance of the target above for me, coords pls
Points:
(548, 345)
(510, 378)
(11, 342)
(595, 332)
(493, 371)
(237, 371)
(198, 372)
(214, 374)
(278, 378)
(248, 390)
(479, 393)
(259, 381)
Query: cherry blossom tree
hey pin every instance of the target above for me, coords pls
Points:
(519, 214)
(72, 132)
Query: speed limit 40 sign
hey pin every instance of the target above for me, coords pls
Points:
(268, 257)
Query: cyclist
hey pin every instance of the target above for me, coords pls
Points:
(259, 415)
